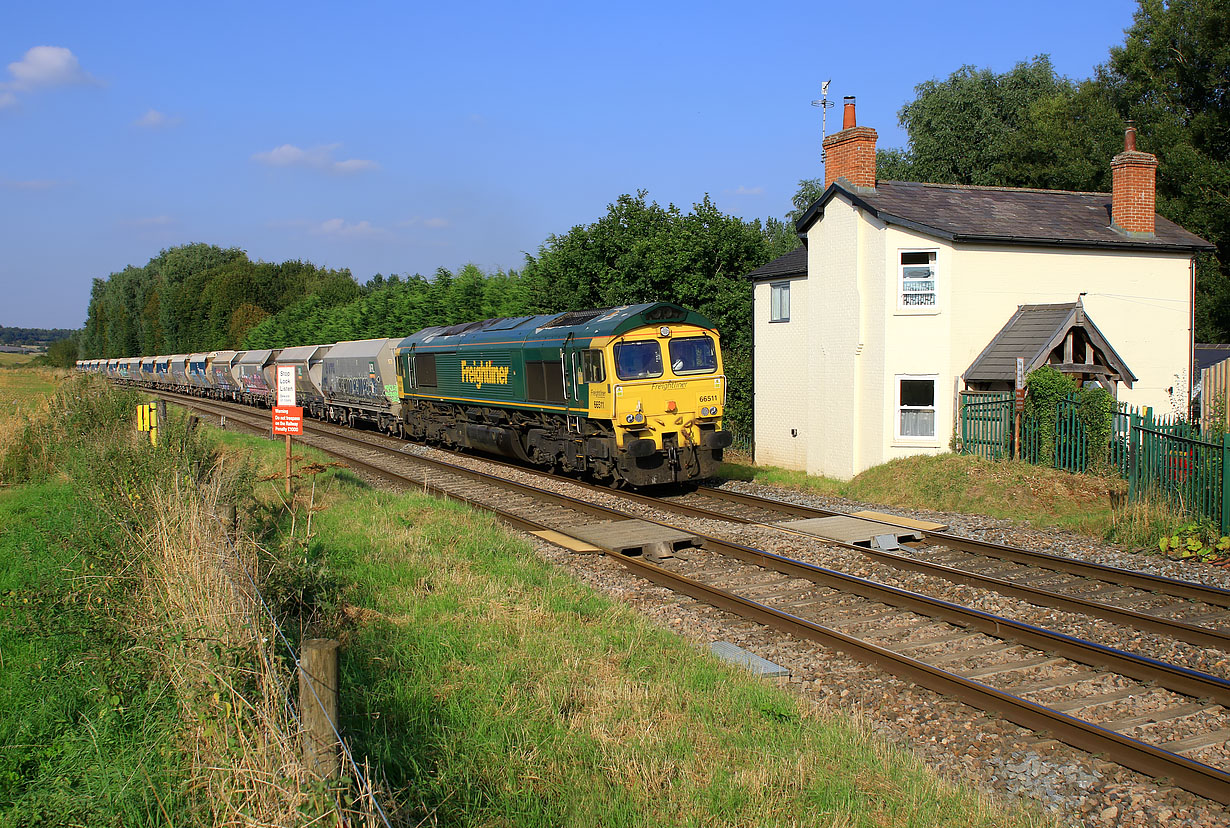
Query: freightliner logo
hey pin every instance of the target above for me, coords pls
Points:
(480, 372)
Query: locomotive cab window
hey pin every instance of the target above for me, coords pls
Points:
(592, 367)
(638, 360)
(693, 355)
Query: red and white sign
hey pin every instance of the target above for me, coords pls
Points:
(288, 419)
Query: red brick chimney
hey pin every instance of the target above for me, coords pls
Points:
(1134, 190)
(851, 153)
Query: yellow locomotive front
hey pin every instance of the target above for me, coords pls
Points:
(667, 394)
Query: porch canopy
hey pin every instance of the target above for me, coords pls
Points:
(1062, 336)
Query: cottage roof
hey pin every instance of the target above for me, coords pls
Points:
(1034, 332)
(793, 263)
(1003, 215)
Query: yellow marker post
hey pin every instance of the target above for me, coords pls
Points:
(147, 420)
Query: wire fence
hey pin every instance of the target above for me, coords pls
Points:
(260, 605)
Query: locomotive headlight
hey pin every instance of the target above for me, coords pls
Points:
(631, 418)
(640, 418)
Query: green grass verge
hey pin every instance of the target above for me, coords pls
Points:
(87, 728)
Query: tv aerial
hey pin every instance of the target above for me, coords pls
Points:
(825, 104)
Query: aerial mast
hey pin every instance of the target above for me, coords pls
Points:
(824, 103)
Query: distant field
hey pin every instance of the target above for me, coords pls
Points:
(21, 389)
(16, 359)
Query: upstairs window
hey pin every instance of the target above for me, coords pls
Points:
(917, 280)
(779, 302)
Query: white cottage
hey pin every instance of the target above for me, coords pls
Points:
(865, 335)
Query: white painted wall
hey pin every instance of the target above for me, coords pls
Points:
(831, 372)
(779, 361)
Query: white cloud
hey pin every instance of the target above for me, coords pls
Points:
(316, 158)
(44, 66)
(745, 191)
(339, 228)
(153, 119)
(7, 99)
(436, 222)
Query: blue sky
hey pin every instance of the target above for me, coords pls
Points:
(402, 137)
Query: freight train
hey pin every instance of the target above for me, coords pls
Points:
(631, 395)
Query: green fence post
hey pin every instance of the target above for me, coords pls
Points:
(1132, 455)
(1225, 484)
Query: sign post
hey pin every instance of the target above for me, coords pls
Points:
(287, 417)
(1020, 405)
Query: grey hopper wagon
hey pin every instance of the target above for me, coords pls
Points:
(359, 382)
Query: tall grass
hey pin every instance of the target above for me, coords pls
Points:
(185, 616)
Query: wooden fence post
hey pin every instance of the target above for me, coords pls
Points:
(318, 706)
(164, 437)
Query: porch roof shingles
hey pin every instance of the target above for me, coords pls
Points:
(1032, 333)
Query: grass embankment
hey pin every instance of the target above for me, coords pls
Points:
(489, 689)
(8, 359)
(138, 686)
(1015, 491)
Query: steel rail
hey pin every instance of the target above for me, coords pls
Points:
(1142, 668)
(1189, 774)
(1101, 572)
(1194, 634)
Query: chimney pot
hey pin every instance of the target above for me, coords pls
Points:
(851, 153)
(1133, 188)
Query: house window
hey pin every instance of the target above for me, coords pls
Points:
(918, 278)
(779, 302)
(916, 408)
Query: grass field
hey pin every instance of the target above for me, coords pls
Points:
(22, 389)
(15, 359)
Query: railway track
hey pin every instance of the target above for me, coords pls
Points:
(1161, 719)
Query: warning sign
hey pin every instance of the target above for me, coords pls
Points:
(286, 385)
(288, 419)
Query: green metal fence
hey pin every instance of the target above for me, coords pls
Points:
(986, 424)
(1160, 456)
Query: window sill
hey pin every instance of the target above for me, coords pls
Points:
(777, 321)
(921, 442)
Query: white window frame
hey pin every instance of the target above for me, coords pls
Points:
(777, 289)
(935, 279)
(898, 408)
